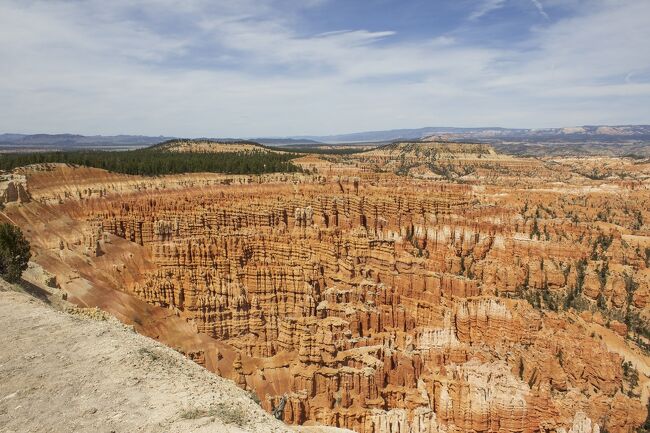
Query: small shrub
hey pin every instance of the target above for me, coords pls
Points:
(255, 398)
(225, 413)
(144, 351)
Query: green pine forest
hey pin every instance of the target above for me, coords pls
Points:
(154, 162)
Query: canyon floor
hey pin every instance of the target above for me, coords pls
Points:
(420, 287)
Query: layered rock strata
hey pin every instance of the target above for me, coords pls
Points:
(387, 303)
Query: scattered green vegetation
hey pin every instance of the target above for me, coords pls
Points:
(600, 245)
(638, 220)
(14, 252)
(403, 168)
(574, 297)
(637, 327)
(535, 230)
(594, 175)
(631, 376)
(549, 299)
(193, 413)
(225, 413)
(329, 150)
(449, 171)
(537, 298)
(145, 351)
(603, 272)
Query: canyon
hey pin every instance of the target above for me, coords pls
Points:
(417, 287)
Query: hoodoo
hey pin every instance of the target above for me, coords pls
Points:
(417, 287)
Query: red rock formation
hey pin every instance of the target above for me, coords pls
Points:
(383, 303)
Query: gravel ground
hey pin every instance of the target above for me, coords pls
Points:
(83, 371)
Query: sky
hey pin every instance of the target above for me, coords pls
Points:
(252, 68)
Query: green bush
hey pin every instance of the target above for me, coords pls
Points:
(14, 252)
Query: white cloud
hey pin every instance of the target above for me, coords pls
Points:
(221, 68)
(486, 7)
(540, 8)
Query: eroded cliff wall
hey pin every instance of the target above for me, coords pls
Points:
(387, 303)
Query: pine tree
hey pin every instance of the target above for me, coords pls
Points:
(14, 252)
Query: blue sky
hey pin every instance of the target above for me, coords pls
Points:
(287, 67)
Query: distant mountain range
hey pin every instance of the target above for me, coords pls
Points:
(598, 139)
(580, 133)
(32, 142)
(29, 142)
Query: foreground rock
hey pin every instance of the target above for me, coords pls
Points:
(83, 372)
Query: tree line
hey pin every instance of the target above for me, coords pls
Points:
(152, 162)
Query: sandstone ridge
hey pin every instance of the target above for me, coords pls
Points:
(211, 146)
